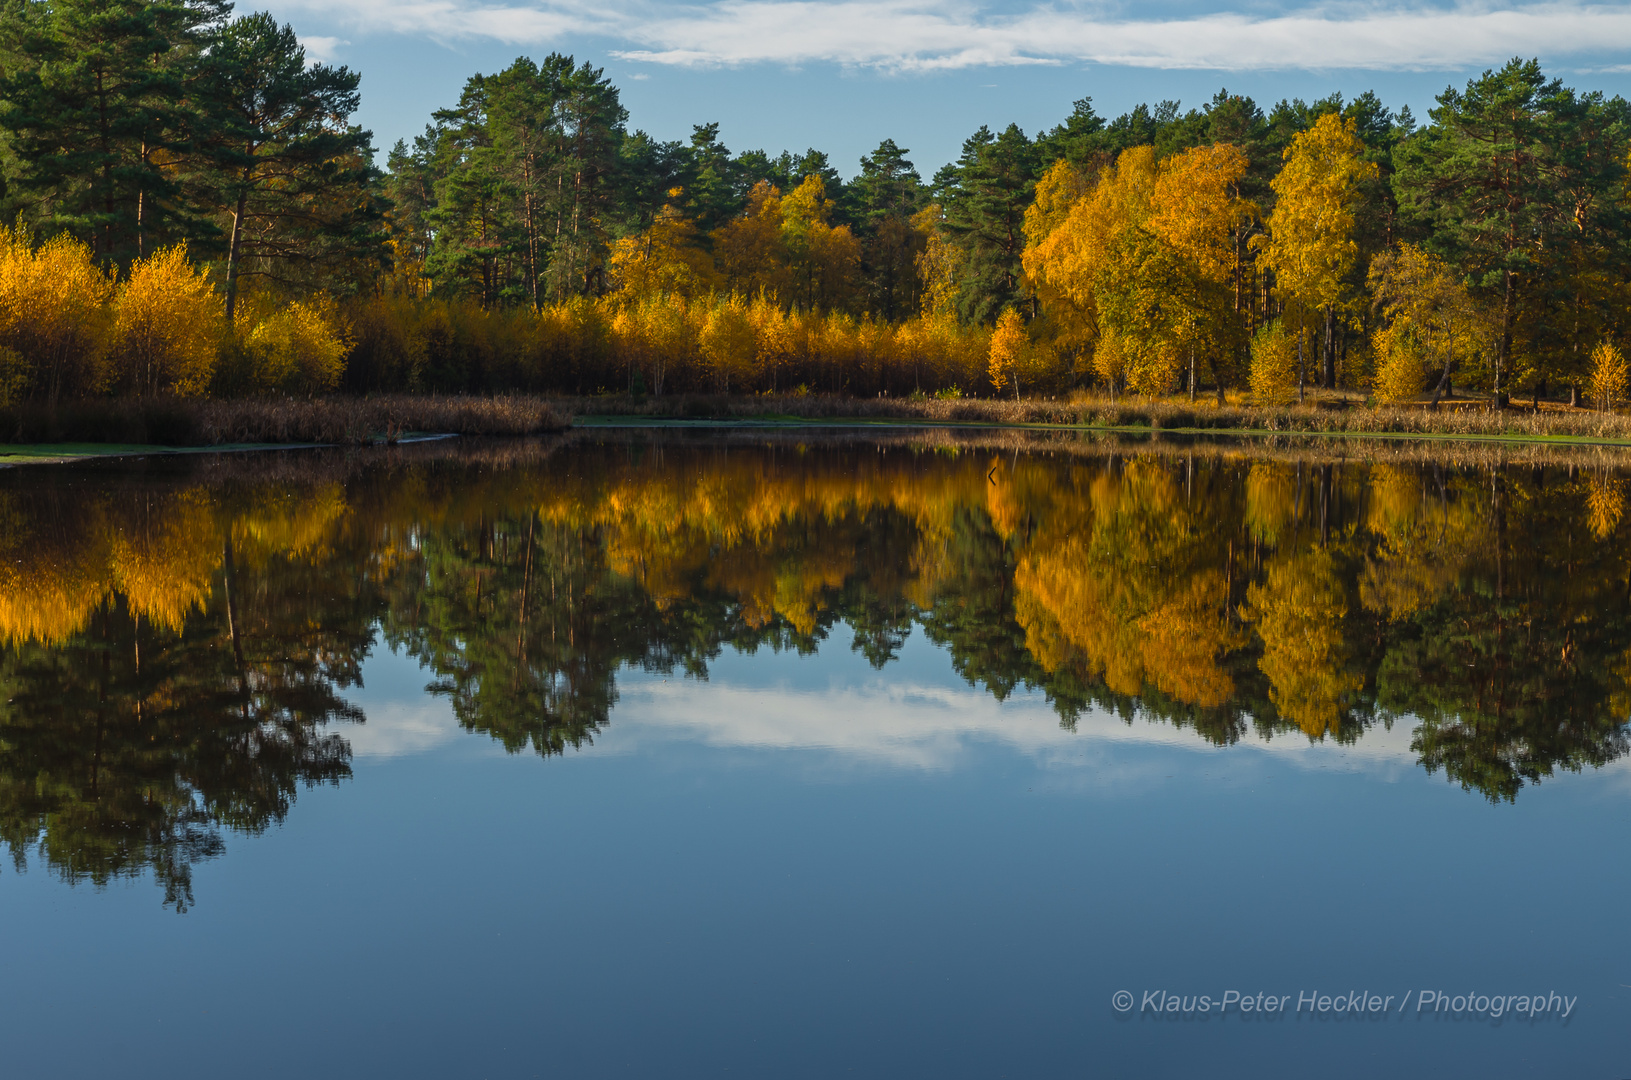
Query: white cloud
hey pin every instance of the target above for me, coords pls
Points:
(320, 49)
(889, 722)
(926, 35)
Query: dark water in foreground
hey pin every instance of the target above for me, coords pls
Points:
(665, 757)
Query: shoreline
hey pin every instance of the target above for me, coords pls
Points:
(17, 455)
(614, 421)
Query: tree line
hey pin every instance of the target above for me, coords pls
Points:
(529, 238)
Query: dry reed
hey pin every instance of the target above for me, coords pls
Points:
(1478, 422)
(349, 421)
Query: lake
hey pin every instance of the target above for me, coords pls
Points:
(752, 753)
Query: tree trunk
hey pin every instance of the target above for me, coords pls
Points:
(1302, 367)
(232, 250)
(1503, 356)
(1330, 375)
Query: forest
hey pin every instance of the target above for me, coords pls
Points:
(189, 210)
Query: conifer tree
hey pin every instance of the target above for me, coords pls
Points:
(292, 177)
(99, 103)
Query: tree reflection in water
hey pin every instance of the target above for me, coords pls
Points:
(177, 639)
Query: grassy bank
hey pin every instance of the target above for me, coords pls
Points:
(1333, 415)
(130, 425)
(349, 421)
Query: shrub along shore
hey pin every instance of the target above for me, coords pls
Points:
(173, 422)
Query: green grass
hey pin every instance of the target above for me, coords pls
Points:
(47, 453)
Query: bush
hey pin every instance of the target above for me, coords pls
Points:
(1274, 366)
(1401, 369)
(300, 349)
(54, 316)
(167, 327)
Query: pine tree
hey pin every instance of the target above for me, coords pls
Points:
(1514, 181)
(294, 180)
(984, 196)
(887, 194)
(99, 103)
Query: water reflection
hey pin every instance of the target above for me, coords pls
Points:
(177, 639)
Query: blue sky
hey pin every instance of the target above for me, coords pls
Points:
(840, 75)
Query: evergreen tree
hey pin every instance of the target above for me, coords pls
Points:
(886, 195)
(1516, 177)
(293, 178)
(98, 103)
(984, 196)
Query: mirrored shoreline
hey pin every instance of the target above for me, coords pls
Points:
(178, 636)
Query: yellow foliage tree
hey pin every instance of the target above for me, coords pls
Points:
(53, 316)
(1275, 366)
(729, 344)
(751, 250)
(1065, 324)
(1066, 262)
(666, 258)
(1009, 347)
(1431, 322)
(1310, 244)
(939, 264)
(1608, 376)
(1401, 369)
(167, 326)
(1110, 361)
(1140, 264)
(299, 349)
(822, 259)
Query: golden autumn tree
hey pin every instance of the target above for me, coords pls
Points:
(1196, 210)
(939, 265)
(299, 349)
(1310, 246)
(729, 344)
(1146, 258)
(666, 258)
(1274, 366)
(1430, 322)
(1009, 346)
(1608, 376)
(822, 259)
(1064, 323)
(168, 326)
(751, 250)
(54, 317)
(1064, 262)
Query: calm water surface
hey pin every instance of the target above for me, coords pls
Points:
(648, 755)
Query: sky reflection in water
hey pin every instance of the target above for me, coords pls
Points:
(885, 757)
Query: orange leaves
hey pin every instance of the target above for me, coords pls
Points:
(1137, 266)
